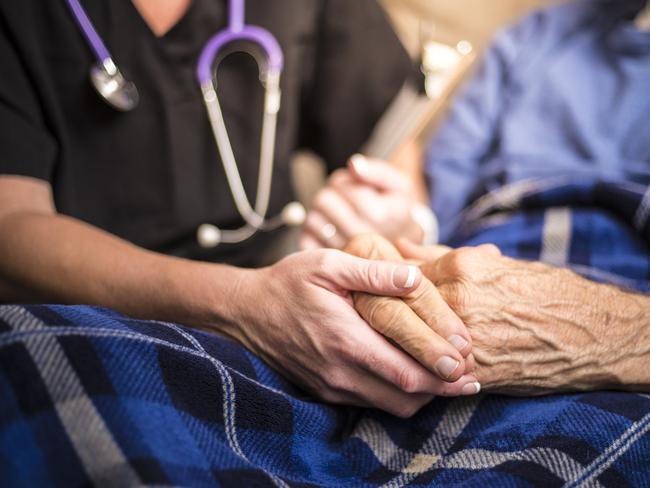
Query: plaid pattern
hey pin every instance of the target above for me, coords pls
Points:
(89, 397)
(599, 229)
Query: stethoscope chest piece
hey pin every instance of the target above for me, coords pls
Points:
(113, 88)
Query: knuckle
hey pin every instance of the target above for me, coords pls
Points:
(384, 314)
(490, 249)
(407, 381)
(364, 356)
(337, 380)
(406, 409)
(323, 260)
(323, 198)
(455, 294)
(460, 261)
(375, 275)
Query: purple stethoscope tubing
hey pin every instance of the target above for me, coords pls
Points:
(270, 72)
(94, 41)
(238, 31)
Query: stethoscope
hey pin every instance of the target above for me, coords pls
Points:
(122, 95)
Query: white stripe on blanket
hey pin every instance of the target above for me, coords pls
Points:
(100, 455)
(556, 238)
(643, 212)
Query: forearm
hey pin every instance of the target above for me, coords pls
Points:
(560, 332)
(56, 259)
(538, 329)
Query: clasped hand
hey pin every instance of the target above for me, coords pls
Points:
(534, 329)
(369, 196)
(464, 318)
(298, 316)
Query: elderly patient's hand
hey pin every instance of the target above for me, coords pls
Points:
(422, 324)
(535, 329)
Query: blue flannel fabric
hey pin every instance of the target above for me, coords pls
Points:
(90, 397)
(599, 229)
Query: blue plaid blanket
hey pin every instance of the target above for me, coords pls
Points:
(90, 397)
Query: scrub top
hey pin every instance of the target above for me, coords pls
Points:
(564, 93)
(153, 175)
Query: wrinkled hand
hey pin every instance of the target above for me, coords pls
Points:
(420, 322)
(535, 329)
(298, 316)
(370, 196)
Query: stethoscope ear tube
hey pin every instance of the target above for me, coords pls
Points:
(293, 214)
(209, 235)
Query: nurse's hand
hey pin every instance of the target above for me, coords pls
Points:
(298, 316)
(369, 196)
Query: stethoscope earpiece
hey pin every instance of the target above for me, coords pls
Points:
(294, 214)
(210, 236)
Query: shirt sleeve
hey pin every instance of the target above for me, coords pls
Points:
(360, 67)
(470, 133)
(26, 146)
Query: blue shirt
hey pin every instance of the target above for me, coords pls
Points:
(566, 92)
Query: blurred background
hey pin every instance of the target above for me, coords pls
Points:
(455, 33)
(473, 20)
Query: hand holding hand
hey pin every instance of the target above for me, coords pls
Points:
(298, 316)
(420, 322)
(536, 329)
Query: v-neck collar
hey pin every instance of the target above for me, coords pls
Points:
(171, 32)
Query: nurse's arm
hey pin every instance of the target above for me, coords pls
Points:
(297, 315)
(51, 258)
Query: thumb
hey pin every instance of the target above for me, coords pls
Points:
(378, 174)
(385, 278)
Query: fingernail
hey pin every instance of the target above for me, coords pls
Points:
(405, 276)
(360, 164)
(471, 389)
(446, 366)
(458, 342)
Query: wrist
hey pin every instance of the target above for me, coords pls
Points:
(206, 296)
(427, 222)
(233, 294)
(628, 342)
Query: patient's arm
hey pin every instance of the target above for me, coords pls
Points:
(538, 329)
